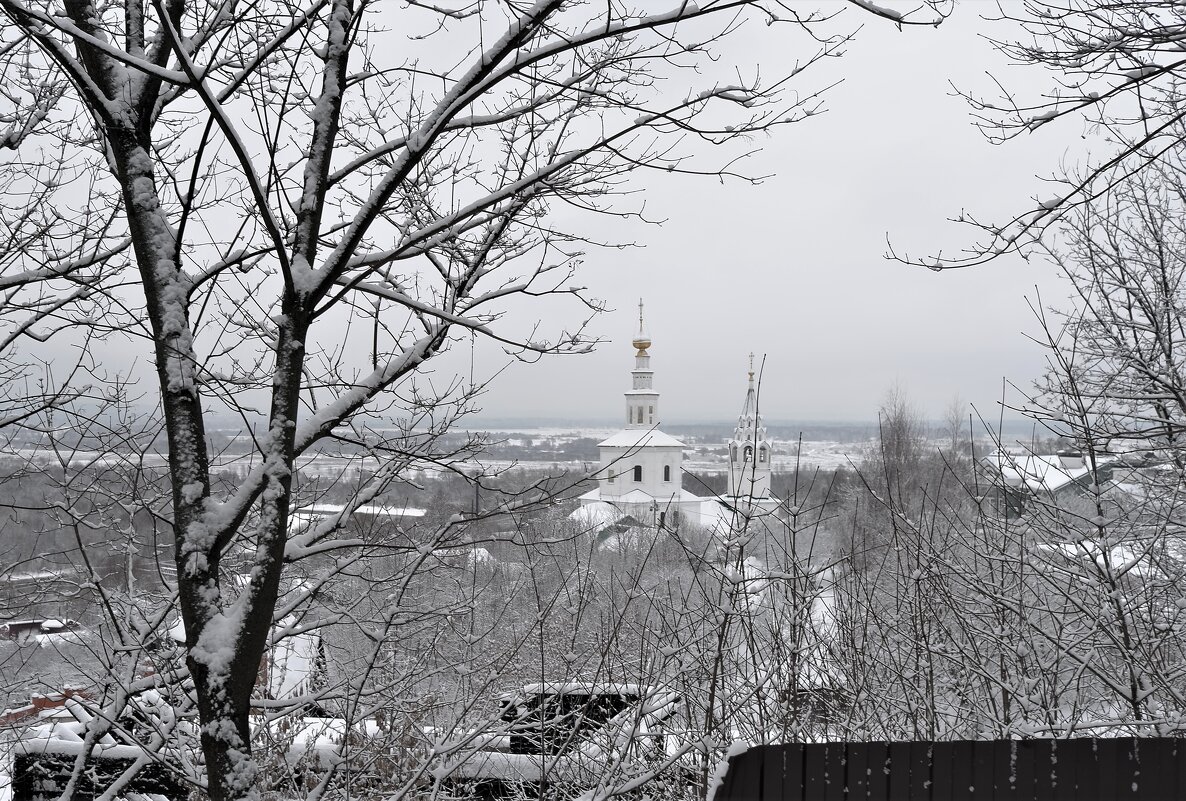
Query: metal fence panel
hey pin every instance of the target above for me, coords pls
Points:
(1108, 769)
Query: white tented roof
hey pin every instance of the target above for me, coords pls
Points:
(639, 438)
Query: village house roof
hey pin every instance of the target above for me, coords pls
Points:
(1043, 472)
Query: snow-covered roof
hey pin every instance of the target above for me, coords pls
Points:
(578, 687)
(634, 496)
(641, 438)
(647, 709)
(681, 496)
(1042, 472)
(63, 729)
(376, 510)
(714, 514)
(42, 632)
(1122, 559)
(597, 510)
(595, 513)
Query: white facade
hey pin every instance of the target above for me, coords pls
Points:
(640, 469)
(640, 461)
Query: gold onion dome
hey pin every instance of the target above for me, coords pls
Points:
(642, 340)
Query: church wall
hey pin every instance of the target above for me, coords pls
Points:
(652, 459)
(750, 476)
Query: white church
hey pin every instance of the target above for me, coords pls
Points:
(639, 478)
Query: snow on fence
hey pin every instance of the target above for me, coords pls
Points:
(1140, 769)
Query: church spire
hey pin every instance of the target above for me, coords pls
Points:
(749, 451)
(642, 401)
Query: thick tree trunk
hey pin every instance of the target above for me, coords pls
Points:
(226, 632)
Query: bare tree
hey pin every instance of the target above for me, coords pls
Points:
(1117, 355)
(1110, 71)
(1058, 615)
(1114, 388)
(292, 217)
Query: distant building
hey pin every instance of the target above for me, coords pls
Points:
(750, 459)
(640, 472)
(1018, 479)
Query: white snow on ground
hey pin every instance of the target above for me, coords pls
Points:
(521, 767)
(822, 454)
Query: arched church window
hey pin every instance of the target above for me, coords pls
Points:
(667, 472)
(650, 414)
(762, 454)
(611, 476)
(638, 472)
(732, 453)
(640, 414)
(748, 454)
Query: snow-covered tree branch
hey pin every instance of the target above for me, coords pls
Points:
(239, 191)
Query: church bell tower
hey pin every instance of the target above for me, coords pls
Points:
(642, 401)
(750, 455)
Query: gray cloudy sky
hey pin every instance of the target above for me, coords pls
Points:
(794, 268)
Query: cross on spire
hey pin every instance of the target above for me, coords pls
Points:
(751, 366)
(640, 328)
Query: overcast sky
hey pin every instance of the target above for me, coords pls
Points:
(794, 269)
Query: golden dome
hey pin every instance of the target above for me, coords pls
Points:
(643, 340)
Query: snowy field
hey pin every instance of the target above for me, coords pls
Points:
(701, 457)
